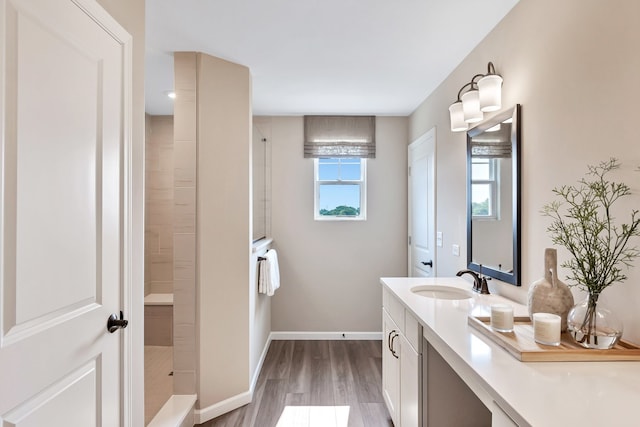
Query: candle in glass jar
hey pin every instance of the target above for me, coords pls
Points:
(502, 317)
(546, 328)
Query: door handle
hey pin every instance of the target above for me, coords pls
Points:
(113, 323)
(429, 263)
(393, 351)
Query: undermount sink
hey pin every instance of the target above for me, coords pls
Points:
(441, 292)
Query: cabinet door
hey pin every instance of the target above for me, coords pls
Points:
(499, 418)
(410, 385)
(391, 367)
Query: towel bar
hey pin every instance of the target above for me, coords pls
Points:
(261, 258)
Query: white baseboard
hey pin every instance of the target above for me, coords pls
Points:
(234, 402)
(256, 374)
(220, 408)
(293, 335)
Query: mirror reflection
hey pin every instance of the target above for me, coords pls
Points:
(259, 148)
(492, 211)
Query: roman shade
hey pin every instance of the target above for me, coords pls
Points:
(492, 144)
(340, 136)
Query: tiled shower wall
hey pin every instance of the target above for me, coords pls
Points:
(159, 204)
(184, 227)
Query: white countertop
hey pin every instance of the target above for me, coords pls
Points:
(543, 394)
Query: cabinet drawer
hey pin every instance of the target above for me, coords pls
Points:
(413, 331)
(393, 307)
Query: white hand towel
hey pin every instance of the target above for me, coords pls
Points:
(262, 274)
(272, 276)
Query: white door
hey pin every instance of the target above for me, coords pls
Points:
(64, 215)
(422, 205)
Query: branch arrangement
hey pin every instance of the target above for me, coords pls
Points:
(584, 224)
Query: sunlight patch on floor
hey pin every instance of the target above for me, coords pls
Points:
(314, 416)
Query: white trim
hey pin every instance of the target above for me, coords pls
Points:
(221, 408)
(261, 244)
(256, 373)
(173, 413)
(305, 335)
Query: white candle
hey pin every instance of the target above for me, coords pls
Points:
(502, 317)
(546, 328)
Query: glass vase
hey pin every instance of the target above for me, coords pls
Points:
(592, 325)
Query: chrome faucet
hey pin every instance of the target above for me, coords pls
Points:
(479, 281)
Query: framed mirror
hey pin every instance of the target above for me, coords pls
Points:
(493, 197)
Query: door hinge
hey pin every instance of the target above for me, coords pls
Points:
(409, 170)
(409, 239)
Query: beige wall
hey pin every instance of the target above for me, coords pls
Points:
(130, 14)
(224, 229)
(574, 68)
(158, 250)
(330, 271)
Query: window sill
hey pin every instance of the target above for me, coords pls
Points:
(340, 218)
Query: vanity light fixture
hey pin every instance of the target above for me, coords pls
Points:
(483, 94)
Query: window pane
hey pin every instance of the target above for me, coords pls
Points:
(350, 170)
(339, 200)
(327, 171)
(480, 170)
(481, 199)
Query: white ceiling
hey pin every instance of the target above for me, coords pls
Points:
(377, 57)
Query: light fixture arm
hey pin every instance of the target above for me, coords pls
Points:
(472, 85)
(491, 71)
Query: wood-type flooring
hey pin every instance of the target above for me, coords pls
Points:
(314, 383)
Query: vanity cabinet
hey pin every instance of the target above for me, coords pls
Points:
(391, 367)
(401, 363)
(499, 417)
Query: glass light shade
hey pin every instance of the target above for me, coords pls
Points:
(471, 106)
(457, 117)
(490, 88)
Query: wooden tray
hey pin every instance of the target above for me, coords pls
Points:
(522, 346)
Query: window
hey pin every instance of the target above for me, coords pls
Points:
(340, 188)
(484, 188)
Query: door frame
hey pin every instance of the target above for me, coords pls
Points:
(425, 137)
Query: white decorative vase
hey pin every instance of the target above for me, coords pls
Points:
(550, 295)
